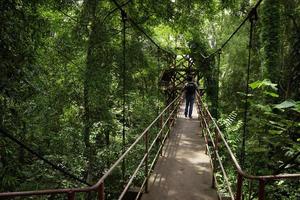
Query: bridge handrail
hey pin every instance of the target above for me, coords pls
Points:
(241, 173)
(99, 186)
(134, 143)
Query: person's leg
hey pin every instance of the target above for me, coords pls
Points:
(186, 106)
(191, 107)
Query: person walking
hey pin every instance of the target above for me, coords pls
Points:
(190, 91)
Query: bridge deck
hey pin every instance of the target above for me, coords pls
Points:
(183, 172)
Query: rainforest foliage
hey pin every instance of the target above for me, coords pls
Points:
(68, 89)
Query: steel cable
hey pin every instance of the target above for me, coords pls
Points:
(250, 14)
(140, 28)
(54, 166)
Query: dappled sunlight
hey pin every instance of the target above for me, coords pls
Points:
(183, 171)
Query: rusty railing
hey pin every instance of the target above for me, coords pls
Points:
(217, 139)
(165, 125)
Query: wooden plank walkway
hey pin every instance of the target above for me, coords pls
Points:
(183, 171)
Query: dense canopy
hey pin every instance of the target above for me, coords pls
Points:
(80, 80)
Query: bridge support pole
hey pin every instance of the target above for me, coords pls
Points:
(213, 181)
(168, 121)
(162, 132)
(71, 195)
(239, 187)
(214, 162)
(101, 192)
(172, 116)
(146, 161)
(261, 192)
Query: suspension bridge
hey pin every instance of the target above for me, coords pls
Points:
(187, 163)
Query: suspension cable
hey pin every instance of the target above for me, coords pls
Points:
(158, 90)
(54, 166)
(250, 14)
(141, 29)
(252, 18)
(114, 10)
(124, 18)
(217, 84)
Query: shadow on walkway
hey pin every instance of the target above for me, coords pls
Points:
(183, 171)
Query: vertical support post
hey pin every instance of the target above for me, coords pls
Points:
(200, 115)
(161, 121)
(213, 184)
(239, 187)
(146, 161)
(71, 195)
(250, 189)
(203, 127)
(101, 195)
(245, 131)
(216, 148)
(261, 192)
(124, 18)
(199, 109)
(205, 139)
(173, 114)
(217, 139)
(158, 88)
(168, 122)
(170, 119)
(218, 84)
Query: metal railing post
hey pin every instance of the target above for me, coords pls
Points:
(169, 120)
(71, 195)
(213, 184)
(101, 195)
(201, 120)
(199, 106)
(161, 121)
(204, 135)
(146, 161)
(239, 187)
(215, 157)
(173, 115)
(261, 191)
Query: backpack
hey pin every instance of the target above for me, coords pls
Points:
(190, 88)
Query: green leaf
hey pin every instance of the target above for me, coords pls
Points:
(264, 83)
(255, 84)
(286, 104)
(276, 132)
(297, 107)
(272, 94)
(265, 108)
(259, 149)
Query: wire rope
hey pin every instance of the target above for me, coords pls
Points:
(124, 19)
(30, 150)
(250, 14)
(140, 28)
(246, 106)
